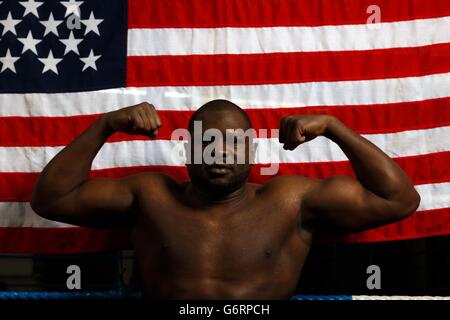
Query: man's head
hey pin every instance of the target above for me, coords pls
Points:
(220, 147)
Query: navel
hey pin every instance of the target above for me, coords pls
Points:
(268, 253)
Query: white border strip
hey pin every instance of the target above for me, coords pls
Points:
(400, 298)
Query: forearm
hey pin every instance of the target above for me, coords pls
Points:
(373, 168)
(71, 166)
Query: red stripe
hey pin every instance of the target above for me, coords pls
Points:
(420, 224)
(82, 240)
(368, 119)
(62, 240)
(423, 169)
(265, 13)
(429, 168)
(365, 119)
(295, 67)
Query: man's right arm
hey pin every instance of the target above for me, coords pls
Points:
(64, 192)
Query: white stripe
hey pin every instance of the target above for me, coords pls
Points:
(434, 196)
(170, 152)
(186, 41)
(337, 93)
(20, 214)
(399, 144)
(399, 298)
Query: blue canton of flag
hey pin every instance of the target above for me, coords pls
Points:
(62, 46)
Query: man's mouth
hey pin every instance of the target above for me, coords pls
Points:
(218, 169)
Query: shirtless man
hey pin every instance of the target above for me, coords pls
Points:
(218, 236)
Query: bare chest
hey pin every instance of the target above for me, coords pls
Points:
(254, 235)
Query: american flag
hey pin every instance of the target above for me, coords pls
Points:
(64, 63)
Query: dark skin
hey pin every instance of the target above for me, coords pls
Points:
(231, 239)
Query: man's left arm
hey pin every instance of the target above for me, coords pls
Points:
(381, 193)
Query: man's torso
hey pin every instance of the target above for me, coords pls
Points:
(254, 249)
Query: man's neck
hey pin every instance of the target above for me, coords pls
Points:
(201, 198)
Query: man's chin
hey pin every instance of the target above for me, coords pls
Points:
(219, 186)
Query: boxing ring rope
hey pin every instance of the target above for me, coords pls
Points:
(70, 295)
(132, 295)
(365, 297)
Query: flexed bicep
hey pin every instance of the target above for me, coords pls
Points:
(341, 204)
(99, 203)
(381, 193)
(63, 190)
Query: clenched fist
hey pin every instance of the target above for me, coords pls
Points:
(140, 119)
(294, 130)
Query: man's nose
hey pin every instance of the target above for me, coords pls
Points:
(222, 150)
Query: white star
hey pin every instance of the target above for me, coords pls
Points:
(9, 24)
(92, 24)
(72, 6)
(90, 61)
(29, 43)
(31, 7)
(51, 25)
(50, 63)
(8, 62)
(71, 44)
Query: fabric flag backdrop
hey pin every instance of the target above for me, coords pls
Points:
(64, 63)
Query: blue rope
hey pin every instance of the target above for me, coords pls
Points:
(317, 297)
(72, 295)
(116, 295)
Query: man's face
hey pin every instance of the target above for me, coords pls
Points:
(220, 152)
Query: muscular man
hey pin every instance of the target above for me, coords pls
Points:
(218, 236)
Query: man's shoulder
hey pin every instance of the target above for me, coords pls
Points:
(155, 180)
(290, 184)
